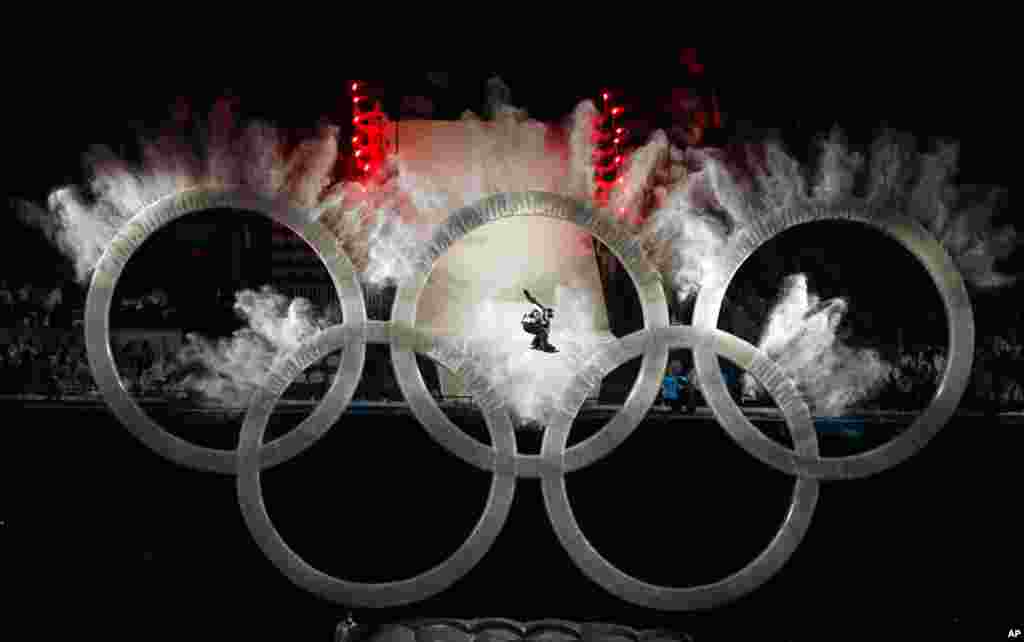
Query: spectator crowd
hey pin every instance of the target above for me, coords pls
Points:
(996, 383)
(27, 365)
(59, 367)
(30, 366)
(25, 305)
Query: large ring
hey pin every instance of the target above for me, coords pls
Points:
(384, 594)
(805, 492)
(97, 325)
(619, 241)
(960, 318)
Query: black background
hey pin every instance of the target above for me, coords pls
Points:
(136, 545)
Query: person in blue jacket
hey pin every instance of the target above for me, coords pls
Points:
(674, 388)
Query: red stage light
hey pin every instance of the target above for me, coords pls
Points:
(355, 86)
(607, 154)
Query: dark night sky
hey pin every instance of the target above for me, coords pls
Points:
(961, 94)
(964, 95)
(905, 543)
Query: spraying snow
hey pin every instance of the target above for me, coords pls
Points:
(800, 335)
(684, 207)
(228, 371)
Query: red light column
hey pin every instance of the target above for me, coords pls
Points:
(609, 155)
(369, 131)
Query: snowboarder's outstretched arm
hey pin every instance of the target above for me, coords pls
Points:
(529, 297)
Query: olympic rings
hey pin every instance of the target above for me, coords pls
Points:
(507, 466)
(501, 459)
(798, 518)
(422, 586)
(97, 325)
(960, 317)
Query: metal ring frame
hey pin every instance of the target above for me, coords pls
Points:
(506, 465)
(960, 317)
(97, 326)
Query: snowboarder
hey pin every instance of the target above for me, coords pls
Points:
(538, 323)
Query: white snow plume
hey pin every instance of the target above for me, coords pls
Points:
(688, 227)
(228, 371)
(975, 243)
(82, 221)
(837, 170)
(510, 153)
(533, 384)
(384, 225)
(800, 335)
(308, 169)
(781, 183)
(961, 217)
(81, 238)
(684, 236)
(922, 186)
(644, 171)
(582, 146)
(393, 245)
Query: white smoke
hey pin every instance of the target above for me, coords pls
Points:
(533, 384)
(687, 217)
(688, 230)
(579, 181)
(83, 221)
(837, 170)
(385, 224)
(393, 245)
(380, 226)
(800, 336)
(397, 210)
(686, 233)
(632, 198)
(228, 371)
(684, 217)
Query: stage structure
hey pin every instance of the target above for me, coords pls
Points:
(406, 338)
(477, 287)
(483, 253)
